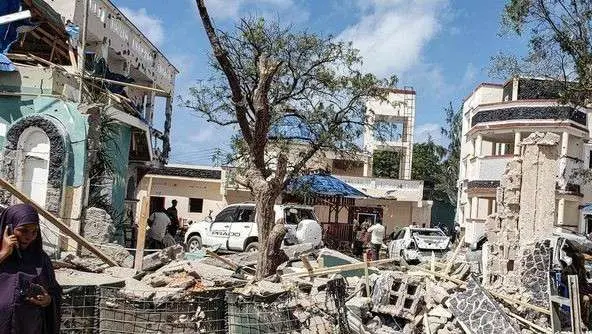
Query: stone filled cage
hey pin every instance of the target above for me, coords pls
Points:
(92, 309)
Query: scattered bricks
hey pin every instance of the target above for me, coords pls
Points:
(118, 254)
(435, 326)
(162, 257)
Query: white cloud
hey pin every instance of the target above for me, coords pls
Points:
(391, 34)
(233, 9)
(203, 135)
(470, 75)
(429, 130)
(150, 26)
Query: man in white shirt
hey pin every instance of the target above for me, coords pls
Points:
(158, 222)
(377, 236)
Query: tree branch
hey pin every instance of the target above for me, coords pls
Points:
(233, 81)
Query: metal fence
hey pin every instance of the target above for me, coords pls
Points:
(90, 310)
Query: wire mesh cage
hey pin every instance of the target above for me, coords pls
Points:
(116, 310)
(279, 313)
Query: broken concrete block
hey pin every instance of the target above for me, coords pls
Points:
(435, 326)
(164, 295)
(121, 272)
(295, 251)
(181, 281)
(135, 290)
(90, 264)
(435, 292)
(118, 254)
(97, 226)
(221, 277)
(158, 259)
(440, 312)
(70, 277)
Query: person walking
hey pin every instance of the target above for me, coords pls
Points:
(158, 222)
(30, 296)
(377, 232)
(174, 217)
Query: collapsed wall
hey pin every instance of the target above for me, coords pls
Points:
(516, 258)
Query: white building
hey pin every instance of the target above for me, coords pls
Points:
(496, 117)
(397, 201)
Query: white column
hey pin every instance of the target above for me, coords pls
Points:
(517, 140)
(478, 146)
(502, 148)
(564, 144)
(560, 211)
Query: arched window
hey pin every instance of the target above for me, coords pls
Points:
(33, 164)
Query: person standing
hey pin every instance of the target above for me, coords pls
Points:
(377, 236)
(30, 296)
(174, 217)
(158, 222)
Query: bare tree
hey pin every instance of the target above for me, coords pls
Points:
(289, 96)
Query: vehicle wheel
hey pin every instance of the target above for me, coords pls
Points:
(194, 243)
(252, 247)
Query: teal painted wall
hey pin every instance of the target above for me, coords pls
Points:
(119, 151)
(66, 113)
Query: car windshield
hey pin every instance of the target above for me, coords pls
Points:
(428, 233)
(296, 215)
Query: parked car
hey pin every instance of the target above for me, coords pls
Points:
(234, 228)
(414, 243)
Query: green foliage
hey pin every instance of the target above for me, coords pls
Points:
(560, 47)
(386, 164)
(427, 161)
(313, 79)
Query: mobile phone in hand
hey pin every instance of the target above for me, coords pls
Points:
(34, 290)
(16, 249)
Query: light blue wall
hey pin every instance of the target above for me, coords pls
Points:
(66, 113)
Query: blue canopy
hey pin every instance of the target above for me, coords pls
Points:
(586, 209)
(323, 185)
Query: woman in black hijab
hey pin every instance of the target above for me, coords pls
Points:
(29, 293)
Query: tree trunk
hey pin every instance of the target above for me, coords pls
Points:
(270, 234)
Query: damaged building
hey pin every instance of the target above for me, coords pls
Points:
(81, 88)
(496, 119)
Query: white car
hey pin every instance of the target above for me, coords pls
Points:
(414, 244)
(234, 228)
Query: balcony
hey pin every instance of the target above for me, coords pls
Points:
(487, 168)
(527, 110)
(140, 57)
(401, 190)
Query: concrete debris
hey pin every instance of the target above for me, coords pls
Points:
(158, 259)
(89, 264)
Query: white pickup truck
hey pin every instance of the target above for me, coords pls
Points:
(234, 228)
(415, 244)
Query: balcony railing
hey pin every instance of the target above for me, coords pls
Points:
(566, 170)
(487, 168)
(403, 190)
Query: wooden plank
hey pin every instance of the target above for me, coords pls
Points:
(450, 261)
(55, 221)
(121, 83)
(304, 259)
(519, 302)
(574, 296)
(142, 223)
(336, 269)
(5, 19)
(440, 275)
(529, 323)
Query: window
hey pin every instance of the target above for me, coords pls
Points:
(590, 161)
(246, 215)
(196, 205)
(294, 216)
(226, 215)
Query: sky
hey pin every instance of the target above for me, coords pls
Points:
(441, 48)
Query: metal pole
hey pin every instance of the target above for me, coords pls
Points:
(81, 51)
